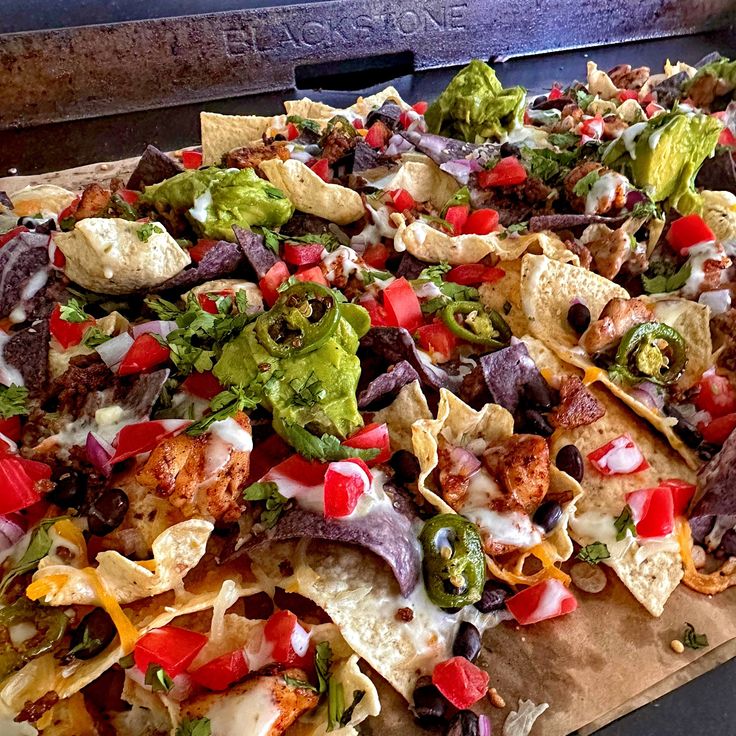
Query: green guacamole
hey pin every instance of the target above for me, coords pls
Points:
(475, 107)
(315, 390)
(213, 200)
(663, 156)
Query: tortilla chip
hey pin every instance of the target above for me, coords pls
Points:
(310, 194)
(45, 198)
(432, 246)
(363, 105)
(309, 109)
(222, 133)
(650, 580)
(426, 182)
(549, 287)
(408, 407)
(504, 296)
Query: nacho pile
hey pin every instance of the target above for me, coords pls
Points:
(320, 402)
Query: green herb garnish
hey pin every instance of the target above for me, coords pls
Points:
(157, 679)
(664, 283)
(194, 727)
(594, 553)
(625, 522)
(326, 448)
(73, 311)
(692, 640)
(584, 185)
(13, 401)
(145, 231)
(269, 493)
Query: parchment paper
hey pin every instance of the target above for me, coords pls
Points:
(603, 661)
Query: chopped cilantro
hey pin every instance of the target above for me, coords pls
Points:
(584, 185)
(548, 165)
(326, 448)
(73, 311)
(438, 221)
(322, 665)
(94, 336)
(692, 640)
(518, 227)
(127, 661)
(272, 239)
(624, 523)
(374, 274)
(583, 99)
(194, 727)
(145, 231)
(594, 553)
(646, 209)
(157, 679)
(450, 291)
(308, 392)
(224, 405)
(663, 283)
(461, 197)
(269, 493)
(303, 123)
(87, 642)
(13, 401)
(273, 192)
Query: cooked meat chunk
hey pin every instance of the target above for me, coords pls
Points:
(455, 466)
(94, 202)
(336, 145)
(613, 127)
(514, 204)
(723, 330)
(581, 251)
(520, 465)
(262, 705)
(577, 407)
(579, 172)
(202, 476)
(624, 77)
(707, 88)
(614, 248)
(85, 375)
(616, 319)
(250, 157)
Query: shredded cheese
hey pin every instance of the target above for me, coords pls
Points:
(148, 564)
(708, 583)
(514, 574)
(47, 585)
(592, 374)
(127, 632)
(66, 529)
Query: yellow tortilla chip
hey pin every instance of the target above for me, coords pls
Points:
(504, 296)
(363, 105)
(310, 194)
(309, 109)
(222, 133)
(47, 199)
(409, 406)
(650, 571)
(426, 182)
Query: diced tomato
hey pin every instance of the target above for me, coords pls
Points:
(191, 159)
(652, 510)
(200, 249)
(303, 254)
(652, 109)
(135, 439)
(372, 436)
(460, 681)
(547, 599)
(508, 172)
(145, 353)
(726, 138)
(718, 430)
(66, 333)
(591, 129)
(222, 671)
(8, 236)
(685, 232)
(276, 275)
(376, 255)
(457, 216)
(313, 274)
(291, 131)
(11, 428)
(378, 135)
(627, 94)
(288, 638)
(620, 456)
(682, 494)
(345, 482)
(321, 167)
(481, 222)
(295, 470)
(18, 485)
(35, 469)
(203, 385)
(406, 118)
(376, 311)
(171, 647)
(207, 303)
(716, 395)
(69, 210)
(555, 93)
(421, 107)
(130, 196)
(56, 256)
(402, 200)
(402, 305)
(358, 124)
(438, 339)
(472, 274)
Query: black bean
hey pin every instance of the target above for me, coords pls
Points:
(93, 635)
(70, 490)
(570, 461)
(548, 515)
(107, 511)
(538, 395)
(406, 467)
(463, 723)
(535, 422)
(430, 705)
(44, 228)
(467, 642)
(493, 598)
(578, 317)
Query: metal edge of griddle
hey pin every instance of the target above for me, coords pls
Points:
(97, 70)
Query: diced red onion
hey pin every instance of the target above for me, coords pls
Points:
(300, 640)
(633, 198)
(623, 459)
(99, 452)
(463, 463)
(302, 156)
(461, 168)
(719, 301)
(397, 145)
(156, 327)
(484, 726)
(182, 688)
(114, 350)
(649, 395)
(10, 531)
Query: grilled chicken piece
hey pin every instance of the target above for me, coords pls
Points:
(263, 705)
(455, 465)
(94, 202)
(612, 249)
(617, 318)
(250, 157)
(577, 407)
(202, 476)
(624, 77)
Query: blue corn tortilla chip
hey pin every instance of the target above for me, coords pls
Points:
(395, 344)
(387, 385)
(388, 534)
(717, 504)
(409, 267)
(303, 224)
(568, 222)
(389, 114)
(28, 352)
(366, 158)
(670, 90)
(258, 255)
(221, 260)
(5, 201)
(439, 148)
(718, 172)
(153, 167)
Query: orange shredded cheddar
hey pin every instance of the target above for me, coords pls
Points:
(127, 632)
(707, 583)
(47, 585)
(514, 574)
(592, 374)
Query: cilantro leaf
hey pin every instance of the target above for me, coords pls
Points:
(145, 231)
(548, 165)
(373, 274)
(461, 196)
(303, 684)
(302, 123)
(268, 492)
(335, 704)
(645, 208)
(13, 401)
(87, 642)
(663, 284)
(625, 523)
(326, 448)
(163, 308)
(584, 185)
(194, 727)
(94, 336)
(322, 664)
(73, 311)
(224, 405)
(127, 661)
(692, 640)
(308, 392)
(449, 291)
(594, 553)
(157, 679)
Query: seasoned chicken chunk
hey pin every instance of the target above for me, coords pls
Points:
(616, 319)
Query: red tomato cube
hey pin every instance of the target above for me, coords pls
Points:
(171, 647)
(547, 599)
(345, 482)
(716, 395)
(653, 511)
(372, 436)
(460, 681)
(402, 305)
(508, 172)
(685, 232)
(620, 456)
(222, 671)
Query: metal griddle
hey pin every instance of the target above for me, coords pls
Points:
(82, 81)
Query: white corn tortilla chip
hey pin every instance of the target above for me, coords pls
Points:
(222, 133)
(426, 182)
(409, 406)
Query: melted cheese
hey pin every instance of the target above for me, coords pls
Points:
(253, 712)
(127, 632)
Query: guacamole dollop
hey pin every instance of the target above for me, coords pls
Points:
(663, 155)
(315, 390)
(212, 200)
(475, 107)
